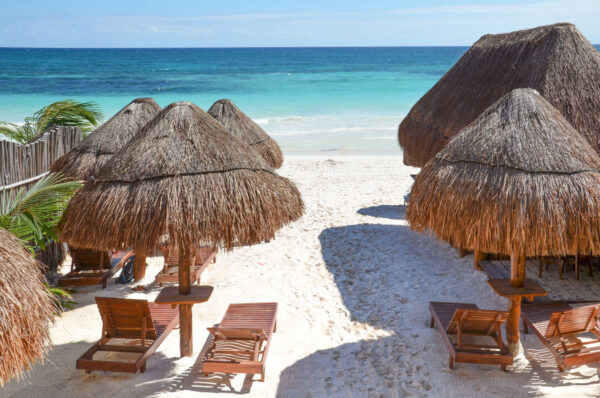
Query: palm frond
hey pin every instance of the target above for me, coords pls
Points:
(19, 133)
(32, 215)
(85, 115)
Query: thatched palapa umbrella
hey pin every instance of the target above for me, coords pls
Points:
(556, 60)
(86, 159)
(520, 181)
(240, 125)
(26, 309)
(185, 175)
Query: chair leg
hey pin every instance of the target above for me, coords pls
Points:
(561, 269)
(431, 323)
(143, 368)
(503, 367)
(451, 362)
(262, 376)
(275, 327)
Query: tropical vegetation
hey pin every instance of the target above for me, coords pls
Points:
(85, 115)
(33, 214)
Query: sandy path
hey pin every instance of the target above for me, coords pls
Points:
(353, 284)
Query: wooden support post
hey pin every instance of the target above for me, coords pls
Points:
(186, 346)
(139, 265)
(517, 279)
(462, 252)
(478, 256)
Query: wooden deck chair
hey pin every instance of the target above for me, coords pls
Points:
(240, 343)
(91, 267)
(134, 328)
(170, 272)
(558, 325)
(456, 320)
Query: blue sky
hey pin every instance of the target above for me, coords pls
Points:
(256, 23)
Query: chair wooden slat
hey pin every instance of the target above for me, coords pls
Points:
(557, 325)
(457, 320)
(129, 319)
(240, 343)
(203, 256)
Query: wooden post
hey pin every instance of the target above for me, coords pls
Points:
(477, 257)
(139, 265)
(186, 346)
(517, 279)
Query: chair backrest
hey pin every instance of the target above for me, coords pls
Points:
(203, 253)
(171, 255)
(475, 321)
(574, 321)
(125, 318)
(89, 258)
(238, 333)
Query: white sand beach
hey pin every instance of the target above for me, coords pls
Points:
(353, 284)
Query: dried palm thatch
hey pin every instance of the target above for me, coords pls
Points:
(240, 125)
(86, 159)
(185, 175)
(26, 309)
(518, 180)
(555, 60)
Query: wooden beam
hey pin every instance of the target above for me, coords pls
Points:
(517, 279)
(517, 270)
(139, 265)
(478, 256)
(186, 346)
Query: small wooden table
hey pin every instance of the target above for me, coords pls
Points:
(170, 295)
(529, 290)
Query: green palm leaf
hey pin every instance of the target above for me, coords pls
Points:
(85, 115)
(32, 215)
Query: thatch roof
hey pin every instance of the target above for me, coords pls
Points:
(87, 158)
(26, 309)
(240, 125)
(556, 60)
(185, 175)
(519, 178)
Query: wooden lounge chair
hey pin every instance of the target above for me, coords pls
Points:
(456, 320)
(170, 271)
(240, 343)
(92, 267)
(558, 325)
(129, 327)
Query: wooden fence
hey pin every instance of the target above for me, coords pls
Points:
(23, 165)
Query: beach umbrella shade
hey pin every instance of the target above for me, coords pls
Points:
(240, 125)
(555, 60)
(26, 309)
(86, 159)
(186, 176)
(519, 181)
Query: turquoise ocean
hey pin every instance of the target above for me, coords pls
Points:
(309, 99)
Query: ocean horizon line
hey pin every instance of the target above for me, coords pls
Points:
(223, 48)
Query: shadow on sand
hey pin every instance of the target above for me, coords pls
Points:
(385, 211)
(379, 270)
